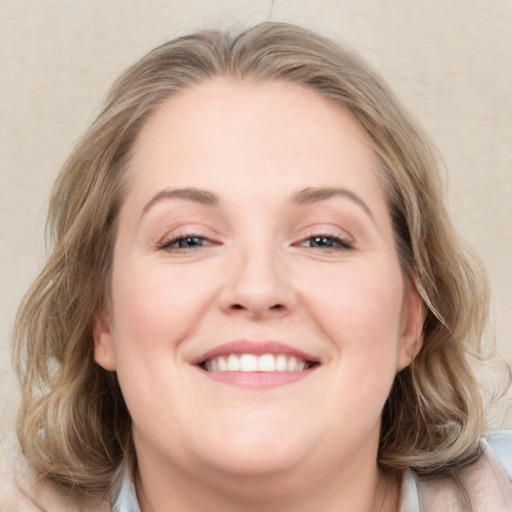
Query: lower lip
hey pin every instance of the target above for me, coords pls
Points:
(257, 380)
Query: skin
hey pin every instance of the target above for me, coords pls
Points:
(256, 274)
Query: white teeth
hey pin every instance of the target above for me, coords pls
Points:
(223, 364)
(281, 363)
(248, 363)
(233, 363)
(266, 363)
(253, 363)
(290, 364)
(295, 365)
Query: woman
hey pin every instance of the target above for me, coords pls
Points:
(256, 300)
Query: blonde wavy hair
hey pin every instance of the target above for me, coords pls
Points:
(73, 425)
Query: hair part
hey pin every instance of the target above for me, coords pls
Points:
(73, 424)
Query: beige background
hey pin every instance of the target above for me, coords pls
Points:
(449, 61)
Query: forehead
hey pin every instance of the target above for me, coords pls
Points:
(223, 103)
(252, 136)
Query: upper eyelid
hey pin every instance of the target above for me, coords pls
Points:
(181, 236)
(324, 230)
(185, 231)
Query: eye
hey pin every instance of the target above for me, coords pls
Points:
(185, 243)
(325, 242)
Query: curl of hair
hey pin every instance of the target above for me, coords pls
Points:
(73, 425)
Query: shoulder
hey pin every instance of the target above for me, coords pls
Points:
(486, 484)
(21, 491)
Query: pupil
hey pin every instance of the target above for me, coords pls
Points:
(322, 241)
(191, 241)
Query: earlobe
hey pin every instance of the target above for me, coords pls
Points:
(104, 353)
(413, 317)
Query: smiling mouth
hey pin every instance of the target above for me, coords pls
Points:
(257, 363)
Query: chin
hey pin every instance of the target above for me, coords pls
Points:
(255, 462)
(259, 450)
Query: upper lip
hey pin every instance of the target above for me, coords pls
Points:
(254, 347)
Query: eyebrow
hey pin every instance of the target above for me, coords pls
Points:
(191, 194)
(313, 195)
(304, 196)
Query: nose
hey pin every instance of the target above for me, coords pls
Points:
(258, 286)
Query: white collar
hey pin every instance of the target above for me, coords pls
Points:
(410, 498)
(124, 495)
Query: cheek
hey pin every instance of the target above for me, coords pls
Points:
(358, 307)
(155, 307)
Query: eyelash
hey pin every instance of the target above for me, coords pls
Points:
(167, 245)
(342, 244)
(339, 243)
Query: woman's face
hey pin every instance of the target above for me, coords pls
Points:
(255, 235)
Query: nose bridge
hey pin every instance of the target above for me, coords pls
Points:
(258, 279)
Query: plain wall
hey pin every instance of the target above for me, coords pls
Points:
(449, 61)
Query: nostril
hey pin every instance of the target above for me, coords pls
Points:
(237, 306)
(277, 307)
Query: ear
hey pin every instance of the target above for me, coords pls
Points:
(104, 351)
(411, 328)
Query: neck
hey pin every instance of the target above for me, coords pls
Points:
(343, 491)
